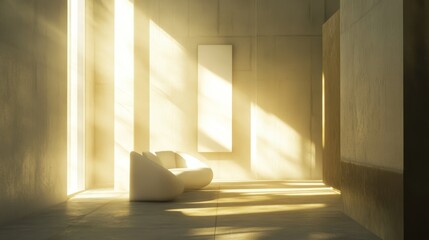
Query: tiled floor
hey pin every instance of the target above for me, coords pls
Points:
(224, 210)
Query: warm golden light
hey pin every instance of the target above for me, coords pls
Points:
(277, 149)
(323, 110)
(313, 193)
(170, 93)
(275, 190)
(76, 100)
(244, 199)
(214, 98)
(124, 91)
(100, 194)
(304, 184)
(236, 210)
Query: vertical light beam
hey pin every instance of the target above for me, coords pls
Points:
(76, 97)
(323, 110)
(124, 91)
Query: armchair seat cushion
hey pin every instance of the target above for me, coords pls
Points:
(193, 178)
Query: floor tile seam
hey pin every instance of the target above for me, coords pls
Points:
(17, 223)
(95, 209)
(70, 225)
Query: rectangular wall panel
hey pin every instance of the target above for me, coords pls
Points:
(214, 98)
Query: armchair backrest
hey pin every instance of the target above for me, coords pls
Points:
(171, 159)
(150, 181)
(167, 159)
(151, 156)
(184, 160)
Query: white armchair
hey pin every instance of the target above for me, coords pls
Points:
(162, 176)
(150, 181)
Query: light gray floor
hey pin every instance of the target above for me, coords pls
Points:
(224, 210)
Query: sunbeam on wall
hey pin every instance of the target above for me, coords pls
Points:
(170, 93)
(278, 150)
(215, 98)
(323, 110)
(76, 97)
(124, 91)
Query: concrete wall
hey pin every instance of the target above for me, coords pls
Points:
(103, 28)
(331, 7)
(89, 96)
(141, 75)
(33, 106)
(372, 114)
(276, 81)
(372, 84)
(331, 102)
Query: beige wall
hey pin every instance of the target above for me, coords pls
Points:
(33, 106)
(276, 82)
(372, 83)
(372, 132)
(141, 75)
(331, 103)
(331, 7)
(103, 16)
(89, 96)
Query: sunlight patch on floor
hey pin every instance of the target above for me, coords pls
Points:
(238, 210)
(100, 194)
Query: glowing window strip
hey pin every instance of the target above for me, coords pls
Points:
(76, 96)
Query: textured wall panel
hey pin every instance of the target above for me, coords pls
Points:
(237, 17)
(372, 114)
(371, 88)
(174, 16)
(281, 120)
(290, 17)
(331, 107)
(104, 93)
(203, 17)
(33, 106)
